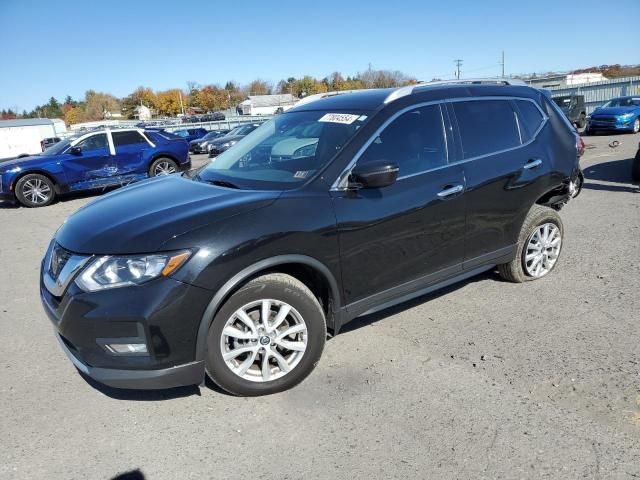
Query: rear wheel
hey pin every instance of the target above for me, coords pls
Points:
(539, 246)
(266, 338)
(35, 190)
(163, 166)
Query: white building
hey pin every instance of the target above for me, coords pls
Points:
(583, 78)
(266, 104)
(142, 112)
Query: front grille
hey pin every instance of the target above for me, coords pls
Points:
(59, 258)
(611, 120)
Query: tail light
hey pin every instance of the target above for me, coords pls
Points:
(579, 145)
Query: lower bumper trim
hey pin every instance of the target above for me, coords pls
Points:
(181, 375)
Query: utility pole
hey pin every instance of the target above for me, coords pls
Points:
(458, 63)
(181, 105)
(502, 64)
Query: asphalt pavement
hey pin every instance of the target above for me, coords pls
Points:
(486, 379)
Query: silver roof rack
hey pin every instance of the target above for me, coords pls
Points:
(409, 89)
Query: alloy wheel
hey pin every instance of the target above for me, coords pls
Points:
(36, 191)
(264, 340)
(542, 250)
(164, 168)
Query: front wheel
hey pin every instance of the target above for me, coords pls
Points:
(636, 125)
(539, 246)
(163, 166)
(266, 338)
(35, 190)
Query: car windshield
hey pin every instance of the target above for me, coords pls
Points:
(210, 135)
(623, 102)
(58, 148)
(243, 130)
(284, 152)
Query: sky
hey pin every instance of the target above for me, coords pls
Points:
(65, 47)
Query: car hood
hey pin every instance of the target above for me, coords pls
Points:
(614, 111)
(8, 163)
(141, 217)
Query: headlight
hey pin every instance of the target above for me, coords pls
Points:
(228, 144)
(626, 116)
(122, 271)
(203, 144)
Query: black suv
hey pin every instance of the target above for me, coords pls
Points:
(334, 209)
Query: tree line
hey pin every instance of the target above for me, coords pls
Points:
(206, 98)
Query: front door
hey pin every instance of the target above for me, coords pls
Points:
(396, 238)
(93, 166)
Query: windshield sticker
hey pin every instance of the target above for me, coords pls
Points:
(345, 118)
(302, 173)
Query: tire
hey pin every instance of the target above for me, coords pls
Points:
(35, 190)
(522, 270)
(162, 166)
(635, 168)
(281, 291)
(636, 125)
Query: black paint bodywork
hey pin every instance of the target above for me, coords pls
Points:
(359, 250)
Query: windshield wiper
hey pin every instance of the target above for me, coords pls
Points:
(222, 183)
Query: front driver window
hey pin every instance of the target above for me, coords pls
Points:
(94, 142)
(415, 141)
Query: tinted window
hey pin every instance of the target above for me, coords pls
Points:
(94, 142)
(486, 126)
(127, 138)
(530, 118)
(414, 140)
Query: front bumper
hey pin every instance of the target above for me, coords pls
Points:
(164, 314)
(595, 124)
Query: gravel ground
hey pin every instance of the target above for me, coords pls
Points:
(484, 380)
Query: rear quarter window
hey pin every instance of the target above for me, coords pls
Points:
(530, 118)
(486, 126)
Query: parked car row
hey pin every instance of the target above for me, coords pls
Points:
(208, 117)
(620, 114)
(200, 145)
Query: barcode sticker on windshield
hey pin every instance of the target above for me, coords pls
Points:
(339, 118)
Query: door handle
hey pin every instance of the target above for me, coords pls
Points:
(533, 163)
(447, 192)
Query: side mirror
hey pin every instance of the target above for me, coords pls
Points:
(75, 150)
(376, 174)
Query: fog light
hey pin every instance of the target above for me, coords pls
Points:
(126, 347)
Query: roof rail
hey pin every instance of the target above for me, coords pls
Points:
(318, 96)
(409, 89)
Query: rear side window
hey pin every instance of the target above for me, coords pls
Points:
(94, 142)
(415, 141)
(486, 126)
(127, 138)
(530, 119)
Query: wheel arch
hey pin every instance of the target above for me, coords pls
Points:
(310, 271)
(44, 173)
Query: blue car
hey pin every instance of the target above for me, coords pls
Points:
(99, 159)
(619, 114)
(190, 134)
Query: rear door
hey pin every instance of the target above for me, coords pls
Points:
(392, 238)
(505, 169)
(130, 148)
(93, 167)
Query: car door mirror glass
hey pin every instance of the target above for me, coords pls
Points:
(75, 150)
(374, 174)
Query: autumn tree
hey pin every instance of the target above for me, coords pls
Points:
(73, 115)
(168, 101)
(258, 87)
(98, 103)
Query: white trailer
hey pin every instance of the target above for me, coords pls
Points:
(23, 137)
(267, 104)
